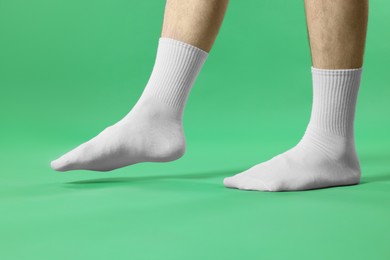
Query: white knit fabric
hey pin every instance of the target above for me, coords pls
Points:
(326, 155)
(176, 67)
(152, 131)
(334, 100)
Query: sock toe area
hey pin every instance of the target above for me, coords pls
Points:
(247, 181)
(59, 164)
(63, 164)
(254, 184)
(230, 182)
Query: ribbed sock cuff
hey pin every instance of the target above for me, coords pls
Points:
(176, 67)
(334, 99)
(334, 72)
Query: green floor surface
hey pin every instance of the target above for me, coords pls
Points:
(70, 68)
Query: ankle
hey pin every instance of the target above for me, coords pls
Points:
(339, 149)
(151, 108)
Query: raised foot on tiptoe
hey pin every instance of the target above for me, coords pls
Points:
(151, 132)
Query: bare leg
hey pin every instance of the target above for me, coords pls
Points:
(326, 154)
(152, 131)
(196, 22)
(337, 32)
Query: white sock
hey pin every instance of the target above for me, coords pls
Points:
(326, 154)
(152, 131)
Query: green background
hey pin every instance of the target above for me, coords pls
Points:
(70, 68)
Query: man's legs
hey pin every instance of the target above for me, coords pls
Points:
(326, 154)
(152, 131)
(337, 32)
(195, 22)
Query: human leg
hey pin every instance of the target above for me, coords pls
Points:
(326, 154)
(195, 22)
(152, 131)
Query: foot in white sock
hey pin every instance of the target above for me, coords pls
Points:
(152, 131)
(326, 155)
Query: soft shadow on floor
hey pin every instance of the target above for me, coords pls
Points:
(121, 180)
(384, 177)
